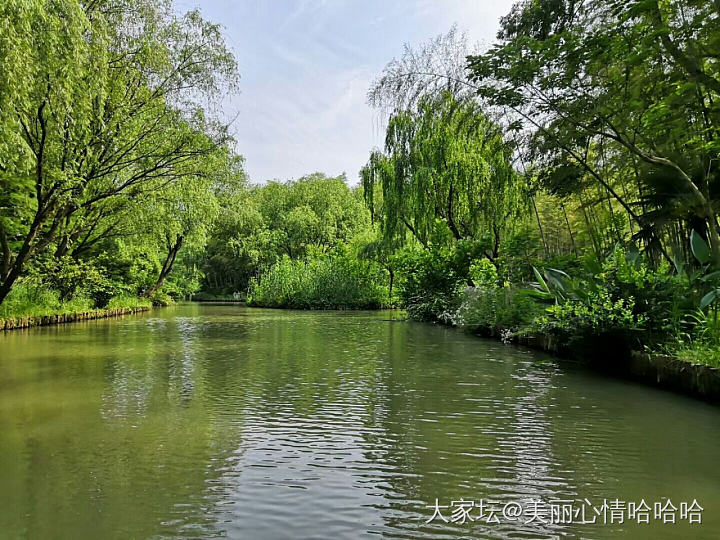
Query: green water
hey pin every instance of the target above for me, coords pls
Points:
(222, 421)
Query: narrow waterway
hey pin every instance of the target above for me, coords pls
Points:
(219, 420)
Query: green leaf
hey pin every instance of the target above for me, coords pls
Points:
(556, 277)
(700, 249)
(712, 276)
(708, 299)
(679, 266)
(539, 294)
(541, 281)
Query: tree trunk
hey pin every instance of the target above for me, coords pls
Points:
(166, 268)
(14, 269)
(392, 279)
(540, 228)
(593, 240)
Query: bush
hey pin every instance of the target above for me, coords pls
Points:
(330, 282)
(31, 298)
(483, 273)
(598, 315)
(506, 308)
(75, 279)
(161, 299)
(431, 284)
(607, 294)
(660, 297)
(128, 301)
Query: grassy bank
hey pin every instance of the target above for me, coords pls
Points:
(15, 323)
(37, 306)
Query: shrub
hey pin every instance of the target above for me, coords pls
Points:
(329, 282)
(127, 301)
(31, 298)
(483, 273)
(161, 299)
(75, 279)
(660, 296)
(656, 297)
(506, 308)
(431, 284)
(598, 315)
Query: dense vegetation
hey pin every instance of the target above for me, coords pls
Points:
(110, 164)
(564, 181)
(599, 221)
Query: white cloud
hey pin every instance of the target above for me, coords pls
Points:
(306, 67)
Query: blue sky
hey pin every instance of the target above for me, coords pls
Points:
(306, 66)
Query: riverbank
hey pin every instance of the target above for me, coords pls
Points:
(659, 370)
(15, 323)
(217, 301)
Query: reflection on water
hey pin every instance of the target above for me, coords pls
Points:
(202, 421)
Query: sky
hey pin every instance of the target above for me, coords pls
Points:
(306, 66)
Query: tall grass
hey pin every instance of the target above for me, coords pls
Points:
(322, 283)
(35, 301)
(128, 301)
(32, 300)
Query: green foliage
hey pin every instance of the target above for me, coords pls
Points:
(161, 299)
(128, 301)
(491, 307)
(696, 352)
(104, 139)
(705, 326)
(445, 175)
(598, 315)
(75, 278)
(300, 219)
(659, 298)
(33, 299)
(619, 99)
(329, 282)
(700, 342)
(699, 247)
(483, 273)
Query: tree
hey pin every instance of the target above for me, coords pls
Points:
(439, 65)
(299, 219)
(312, 214)
(445, 175)
(103, 105)
(184, 215)
(632, 82)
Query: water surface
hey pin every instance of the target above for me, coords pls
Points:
(205, 421)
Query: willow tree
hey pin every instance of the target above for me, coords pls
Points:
(101, 103)
(445, 175)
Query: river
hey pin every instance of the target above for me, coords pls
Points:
(199, 421)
